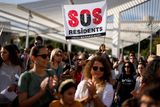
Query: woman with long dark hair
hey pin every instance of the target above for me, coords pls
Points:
(10, 68)
(126, 83)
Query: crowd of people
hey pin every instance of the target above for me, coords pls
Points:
(43, 76)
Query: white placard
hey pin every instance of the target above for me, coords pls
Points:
(85, 20)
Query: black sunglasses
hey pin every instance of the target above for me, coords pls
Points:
(95, 68)
(79, 59)
(44, 56)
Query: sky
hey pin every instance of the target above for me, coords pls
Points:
(17, 1)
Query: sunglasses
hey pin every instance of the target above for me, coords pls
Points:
(79, 59)
(95, 68)
(44, 56)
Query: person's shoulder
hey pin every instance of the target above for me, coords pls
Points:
(55, 103)
(78, 104)
(83, 82)
(26, 74)
(109, 86)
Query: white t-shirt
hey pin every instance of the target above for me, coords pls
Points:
(7, 75)
(138, 83)
(106, 97)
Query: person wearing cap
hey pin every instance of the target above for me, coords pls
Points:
(67, 91)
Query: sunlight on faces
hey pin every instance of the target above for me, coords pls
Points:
(68, 96)
(4, 54)
(132, 59)
(58, 57)
(80, 61)
(147, 101)
(140, 69)
(98, 72)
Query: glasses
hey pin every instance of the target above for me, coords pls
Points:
(79, 59)
(44, 56)
(95, 68)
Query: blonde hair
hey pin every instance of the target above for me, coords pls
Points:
(54, 52)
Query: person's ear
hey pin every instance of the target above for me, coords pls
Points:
(33, 58)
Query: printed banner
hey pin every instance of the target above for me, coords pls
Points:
(85, 20)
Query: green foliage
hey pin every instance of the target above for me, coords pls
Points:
(145, 44)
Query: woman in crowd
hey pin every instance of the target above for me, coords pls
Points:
(36, 85)
(67, 91)
(81, 62)
(152, 73)
(10, 68)
(102, 49)
(139, 82)
(56, 62)
(95, 90)
(126, 83)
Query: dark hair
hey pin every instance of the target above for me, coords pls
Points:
(1, 61)
(50, 47)
(107, 68)
(132, 102)
(35, 50)
(16, 48)
(102, 45)
(142, 63)
(65, 85)
(132, 53)
(12, 54)
(153, 92)
(132, 69)
(151, 71)
(38, 38)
